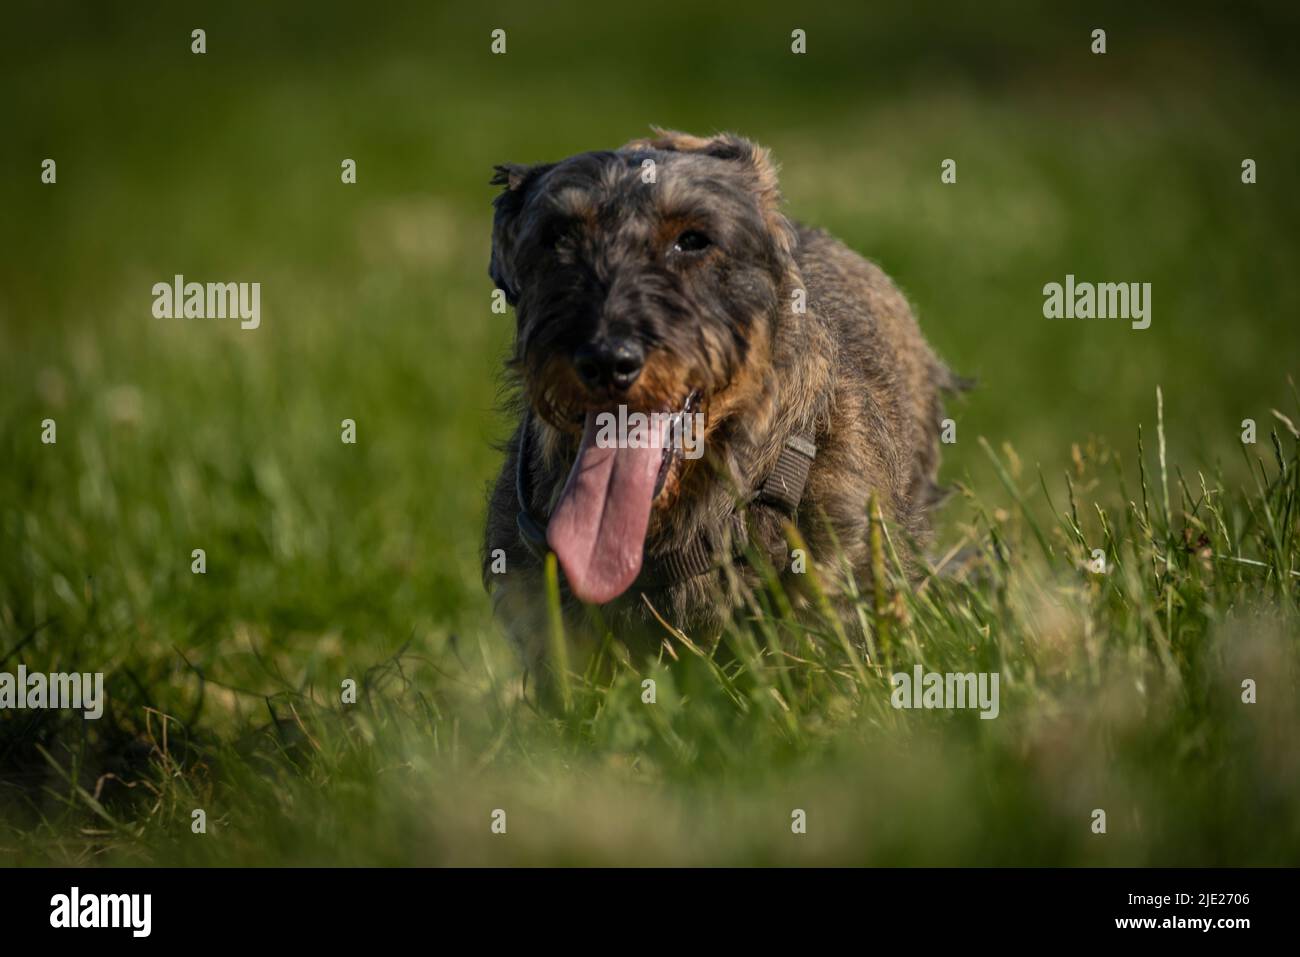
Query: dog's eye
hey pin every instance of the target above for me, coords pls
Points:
(555, 237)
(692, 241)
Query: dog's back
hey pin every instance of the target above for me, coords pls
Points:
(886, 390)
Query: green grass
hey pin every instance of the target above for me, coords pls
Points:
(1120, 691)
(327, 561)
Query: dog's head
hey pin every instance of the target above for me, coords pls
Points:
(646, 279)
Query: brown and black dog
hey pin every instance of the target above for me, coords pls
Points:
(664, 277)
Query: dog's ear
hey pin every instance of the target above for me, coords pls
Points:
(510, 175)
(725, 146)
(518, 180)
(757, 160)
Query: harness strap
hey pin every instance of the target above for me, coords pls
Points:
(782, 490)
(784, 487)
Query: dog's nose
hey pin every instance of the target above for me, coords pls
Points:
(615, 362)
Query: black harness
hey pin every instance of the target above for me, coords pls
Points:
(781, 491)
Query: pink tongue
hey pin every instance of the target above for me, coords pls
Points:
(598, 529)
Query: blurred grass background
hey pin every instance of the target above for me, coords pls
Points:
(325, 559)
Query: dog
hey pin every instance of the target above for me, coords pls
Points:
(664, 277)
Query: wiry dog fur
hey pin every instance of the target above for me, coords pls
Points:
(585, 247)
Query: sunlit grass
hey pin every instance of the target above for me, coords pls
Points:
(1120, 690)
